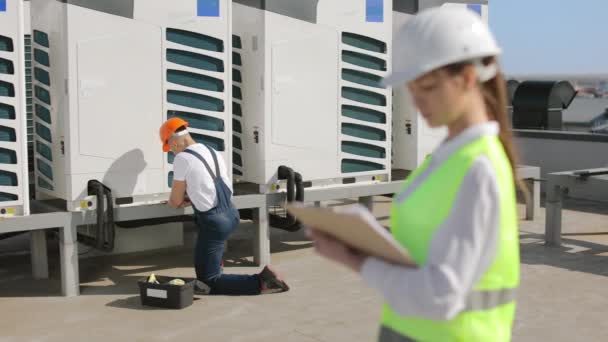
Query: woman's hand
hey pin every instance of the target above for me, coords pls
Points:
(335, 250)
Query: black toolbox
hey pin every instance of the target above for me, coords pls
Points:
(165, 295)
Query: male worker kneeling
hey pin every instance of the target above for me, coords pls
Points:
(210, 193)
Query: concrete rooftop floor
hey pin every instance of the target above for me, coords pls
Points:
(563, 297)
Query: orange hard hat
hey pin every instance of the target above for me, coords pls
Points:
(168, 129)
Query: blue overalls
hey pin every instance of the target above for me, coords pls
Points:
(214, 228)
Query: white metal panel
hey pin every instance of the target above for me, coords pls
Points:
(484, 8)
(250, 25)
(349, 16)
(48, 22)
(115, 104)
(285, 111)
(182, 15)
(302, 93)
(109, 91)
(121, 94)
(413, 139)
(121, 90)
(15, 172)
(304, 103)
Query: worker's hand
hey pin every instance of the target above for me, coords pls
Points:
(335, 250)
(185, 203)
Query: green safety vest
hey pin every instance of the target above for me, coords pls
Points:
(490, 307)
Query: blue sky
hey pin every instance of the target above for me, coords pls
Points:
(552, 36)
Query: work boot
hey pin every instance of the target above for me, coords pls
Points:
(271, 281)
(201, 288)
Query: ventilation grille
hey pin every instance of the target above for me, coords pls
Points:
(237, 112)
(29, 102)
(40, 110)
(364, 104)
(195, 73)
(9, 121)
(6, 44)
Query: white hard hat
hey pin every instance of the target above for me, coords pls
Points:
(438, 37)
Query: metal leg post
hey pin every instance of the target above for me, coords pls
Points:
(68, 246)
(262, 239)
(40, 264)
(553, 224)
(531, 201)
(367, 201)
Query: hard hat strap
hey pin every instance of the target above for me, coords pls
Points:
(178, 134)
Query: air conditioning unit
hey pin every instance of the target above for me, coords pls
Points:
(107, 74)
(306, 90)
(413, 139)
(14, 199)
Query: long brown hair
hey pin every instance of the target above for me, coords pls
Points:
(495, 97)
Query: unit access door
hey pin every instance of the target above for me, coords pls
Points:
(120, 110)
(305, 97)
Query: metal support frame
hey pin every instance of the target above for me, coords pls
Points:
(558, 184)
(553, 221)
(531, 176)
(69, 221)
(364, 192)
(367, 201)
(40, 265)
(68, 251)
(261, 245)
(36, 223)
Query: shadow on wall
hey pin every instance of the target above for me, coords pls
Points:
(123, 174)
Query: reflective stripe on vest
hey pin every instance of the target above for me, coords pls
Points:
(488, 299)
(477, 300)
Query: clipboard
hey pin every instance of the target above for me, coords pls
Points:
(356, 227)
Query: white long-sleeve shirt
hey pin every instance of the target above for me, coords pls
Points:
(462, 249)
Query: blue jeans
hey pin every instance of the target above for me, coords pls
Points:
(214, 228)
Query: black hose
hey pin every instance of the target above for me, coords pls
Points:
(109, 221)
(288, 174)
(295, 192)
(105, 234)
(98, 192)
(299, 198)
(299, 188)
